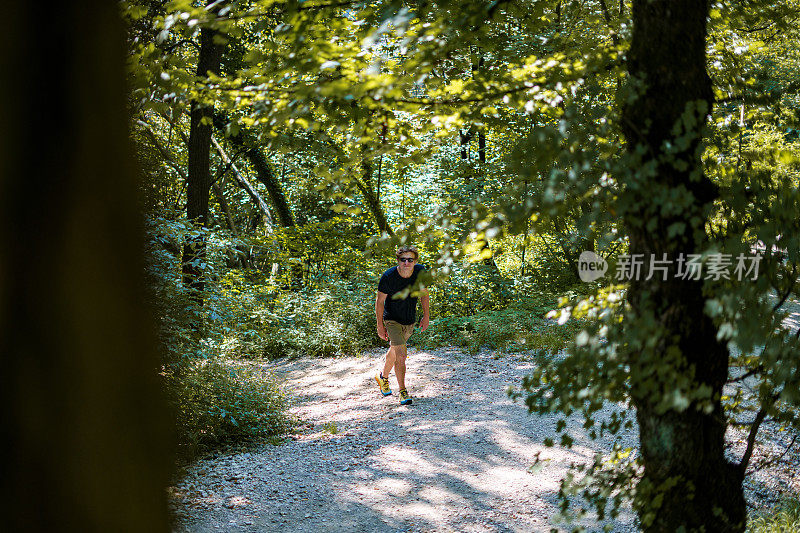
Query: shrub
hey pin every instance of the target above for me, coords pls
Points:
(335, 319)
(217, 402)
(520, 327)
(470, 289)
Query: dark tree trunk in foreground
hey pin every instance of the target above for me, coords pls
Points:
(682, 449)
(199, 185)
(83, 421)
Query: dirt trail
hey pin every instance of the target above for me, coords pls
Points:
(455, 460)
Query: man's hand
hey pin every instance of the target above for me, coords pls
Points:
(423, 324)
(382, 332)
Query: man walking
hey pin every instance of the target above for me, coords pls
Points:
(396, 317)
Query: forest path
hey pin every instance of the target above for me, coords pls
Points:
(455, 460)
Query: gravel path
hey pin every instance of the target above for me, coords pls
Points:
(455, 460)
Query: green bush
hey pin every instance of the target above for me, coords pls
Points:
(331, 320)
(218, 402)
(784, 518)
(520, 327)
(465, 291)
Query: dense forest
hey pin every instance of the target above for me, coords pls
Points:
(612, 188)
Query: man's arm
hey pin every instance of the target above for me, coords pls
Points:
(380, 301)
(426, 310)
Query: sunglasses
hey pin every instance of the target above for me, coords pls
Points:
(407, 259)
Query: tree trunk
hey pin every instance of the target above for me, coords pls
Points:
(682, 447)
(373, 202)
(83, 419)
(199, 174)
(245, 184)
(245, 140)
(464, 137)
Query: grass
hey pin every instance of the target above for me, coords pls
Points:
(784, 518)
(330, 428)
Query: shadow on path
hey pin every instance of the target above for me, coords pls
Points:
(455, 460)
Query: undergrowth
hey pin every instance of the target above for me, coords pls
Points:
(520, 327)
(784, 518)
(217, 402)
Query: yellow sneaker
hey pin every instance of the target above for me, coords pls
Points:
(383, 384)
(405, 398)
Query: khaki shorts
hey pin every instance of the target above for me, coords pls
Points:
(398, 333)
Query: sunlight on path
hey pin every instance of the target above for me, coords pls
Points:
(456, 460)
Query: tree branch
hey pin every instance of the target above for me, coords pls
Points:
(751, 438)
(746, 375)
(778, 458)
(607, 16)
(763, 98)
(788, 289)
(246, 185)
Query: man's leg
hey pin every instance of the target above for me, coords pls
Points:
(400, 365)
(389, 364)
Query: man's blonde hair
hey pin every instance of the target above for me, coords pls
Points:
(408, 248)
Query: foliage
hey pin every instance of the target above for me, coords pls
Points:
(520, 327)
(332, 320)
(470, 289)
(217, 402)
(785, 517)
(214, 402)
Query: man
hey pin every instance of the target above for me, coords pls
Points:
(396, 317)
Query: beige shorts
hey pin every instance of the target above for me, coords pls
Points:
(398, 333)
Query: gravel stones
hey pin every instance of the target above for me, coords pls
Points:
(456, 460)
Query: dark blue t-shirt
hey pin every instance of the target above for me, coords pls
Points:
(404, 310)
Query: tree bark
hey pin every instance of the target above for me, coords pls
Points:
(83, 420)
(199, 173)
(683, 445)
(245, 184)
(371, 197)
(246, 141)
